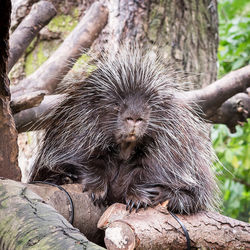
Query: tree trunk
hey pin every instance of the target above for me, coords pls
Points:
(186, 32)
(8, 143)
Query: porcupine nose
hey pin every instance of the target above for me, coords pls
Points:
(133, 127)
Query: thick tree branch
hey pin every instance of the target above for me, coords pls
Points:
(32, 119)
(234, 111)
(40, 15)
(27, 223)
(214, 95)
(52, 71)
(156, 229)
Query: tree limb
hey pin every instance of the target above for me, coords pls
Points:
(27, 101)
(147, 229)
(52, 71)
(40, 15)
(156, 229)
(234, 111)
(210, 98)
(27, 223)
(32, 119)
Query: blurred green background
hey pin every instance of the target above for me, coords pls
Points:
(233, 150)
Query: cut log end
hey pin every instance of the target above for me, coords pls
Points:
(119, 235)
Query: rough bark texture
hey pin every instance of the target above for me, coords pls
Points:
(27, 223)
(152, 229)
(8, 134)
(185, 31)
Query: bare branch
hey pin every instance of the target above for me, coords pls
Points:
(27, 101)
(52, 71)
(31, 119)
(40, 15)
(211, 97)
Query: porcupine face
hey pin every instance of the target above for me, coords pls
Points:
(132, 119)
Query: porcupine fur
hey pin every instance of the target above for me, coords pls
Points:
(125, 133)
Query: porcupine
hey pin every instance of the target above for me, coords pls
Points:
(127, 136)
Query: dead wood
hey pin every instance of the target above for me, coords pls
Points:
(32, 119)
(26, 222)
(55, 68)
(8, 142)
(152, 229)
(40, 15)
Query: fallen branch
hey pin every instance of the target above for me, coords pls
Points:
(40, 15)
(152, 229)
(52, 71)
(26, 222)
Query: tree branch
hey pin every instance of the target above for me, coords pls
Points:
(52, 71)
(27, 223)
(156, 229)
(152, 228)
(40, 15)
(214, 95)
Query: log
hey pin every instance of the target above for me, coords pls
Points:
(55, 68)
(26, 222)
(40, 15)
(156, 229)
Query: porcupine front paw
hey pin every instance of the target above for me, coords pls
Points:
(97, 194)
(143, 195)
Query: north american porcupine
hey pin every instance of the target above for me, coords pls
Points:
(125, 133)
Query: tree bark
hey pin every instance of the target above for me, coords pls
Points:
(8, 143)
(186, 32)
(27, 223)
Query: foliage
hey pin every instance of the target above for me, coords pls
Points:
(233, 150)
(234, 47)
